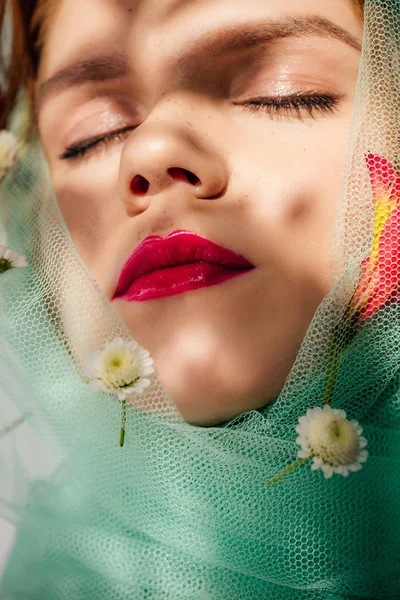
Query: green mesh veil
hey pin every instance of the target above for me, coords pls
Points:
(260, 507)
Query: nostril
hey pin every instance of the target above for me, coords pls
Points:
(139, 185)
(183, 175)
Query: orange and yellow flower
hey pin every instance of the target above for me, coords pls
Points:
(380, 281)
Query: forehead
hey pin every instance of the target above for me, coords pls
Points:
(140, 28)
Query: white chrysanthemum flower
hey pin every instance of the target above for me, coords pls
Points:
(335, 443)
(10, 259)
(8, 151)
(121, 368)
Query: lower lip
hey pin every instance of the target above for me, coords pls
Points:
(177, 280)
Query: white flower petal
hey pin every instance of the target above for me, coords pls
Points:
(143, 353)
(357, 426)
(334, 442)
(303, 424)
(340, 413)
(97, 386)
(148, 371)
(341, 470)
(119, 368)
(21, 261)
(313, 412)
(354, 467)
(303, 454)
(328, 470)
(338, 469)
(145, 382)
(135, 389)
(148, 362)
(11, 259)
(303, 444)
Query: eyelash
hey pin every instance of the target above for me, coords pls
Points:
(313, 104)
(81, 149)
(277, 107)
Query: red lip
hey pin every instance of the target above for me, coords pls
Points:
(181, 262)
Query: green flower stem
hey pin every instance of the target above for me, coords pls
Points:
(288, 470)
(12, 426)
(123, 421)
(338, 348)
(334, 359)
(336, 352)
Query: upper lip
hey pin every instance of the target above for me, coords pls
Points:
(178, 248)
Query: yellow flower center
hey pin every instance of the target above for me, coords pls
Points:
(119, 367)
(334, 439)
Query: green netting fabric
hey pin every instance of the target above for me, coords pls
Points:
(185, 512)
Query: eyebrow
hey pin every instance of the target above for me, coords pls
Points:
(96, 69)
(302, 26)
(239, 38)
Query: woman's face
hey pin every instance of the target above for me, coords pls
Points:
(226, 119)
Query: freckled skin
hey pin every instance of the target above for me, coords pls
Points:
(268, 186)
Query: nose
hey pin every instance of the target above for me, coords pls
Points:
(158, 156)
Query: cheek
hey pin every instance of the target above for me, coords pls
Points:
(294, 198)
(310, 212)
(89, 202)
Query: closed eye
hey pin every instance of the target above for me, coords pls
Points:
(277, 107)
(296, 105)
(83, 148)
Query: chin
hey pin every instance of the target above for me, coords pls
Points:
(207, 404)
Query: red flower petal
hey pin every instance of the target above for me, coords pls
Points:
(387, 268)
(382, 175)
